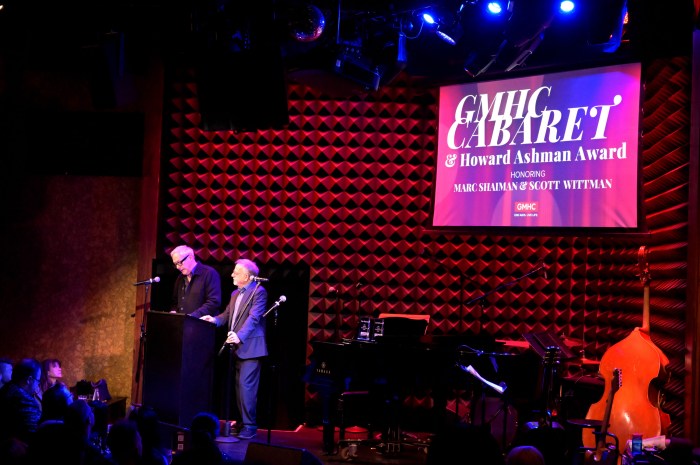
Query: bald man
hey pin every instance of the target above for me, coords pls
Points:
(197, 289)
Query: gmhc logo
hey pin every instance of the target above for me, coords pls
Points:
(526, 206)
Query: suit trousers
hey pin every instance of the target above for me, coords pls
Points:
(247, 376)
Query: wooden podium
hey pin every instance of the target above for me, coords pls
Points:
(178, 366)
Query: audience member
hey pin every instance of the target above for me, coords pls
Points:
(204, 449)
(55, 402)
(50, 443)
(5, 371)
(79, 421)
(51, 373)
(464, 444)
(524, 455)
(146, 420)
(19, 411)
(124, 443)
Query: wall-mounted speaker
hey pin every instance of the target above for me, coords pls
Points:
(241, 82)
(242, 92)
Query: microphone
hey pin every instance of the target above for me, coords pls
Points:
(221, 351)
(259, 279)
(148, 281)
(279, 302)
(275, 305)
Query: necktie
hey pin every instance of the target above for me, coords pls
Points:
(236, 306)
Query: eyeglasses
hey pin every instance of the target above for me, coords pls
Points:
(179, 264)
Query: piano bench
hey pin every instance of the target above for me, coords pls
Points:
(345, 396)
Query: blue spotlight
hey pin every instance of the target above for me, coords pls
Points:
(495, 8)
(566, 6)
(428, 18)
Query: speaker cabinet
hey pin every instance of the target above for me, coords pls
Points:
(241, 83)
(266, 454)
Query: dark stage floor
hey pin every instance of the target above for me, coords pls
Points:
(305, 446)
(308, 441)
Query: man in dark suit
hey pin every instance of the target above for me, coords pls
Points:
(197, 289)
(246, 337)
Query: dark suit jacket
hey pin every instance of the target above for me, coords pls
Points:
(202, 296)
(249, 324)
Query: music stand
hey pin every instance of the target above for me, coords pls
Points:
(543, 341)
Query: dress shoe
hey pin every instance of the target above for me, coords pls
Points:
(247, 432)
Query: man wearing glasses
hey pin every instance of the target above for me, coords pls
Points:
(197, 289)
(19, 410)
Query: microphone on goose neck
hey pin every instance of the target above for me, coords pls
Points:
(279, 301)
(275, 305)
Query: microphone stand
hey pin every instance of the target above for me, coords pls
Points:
(479, 299)
(461, 300)
(358, 298)
(142, 343)
(337, 307)
(226, 433)
(432, 257)
(274, 376)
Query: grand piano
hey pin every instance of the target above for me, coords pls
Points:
(392, 367)
(389, 368)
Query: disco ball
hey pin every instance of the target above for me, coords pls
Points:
(306, 24)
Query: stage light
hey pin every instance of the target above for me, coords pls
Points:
(429, 18)
(520, 59)
(495, 8)
(567, 6)
(353, 65)
(451, 38)
(446, 26)
(450, 33)
(401, 50)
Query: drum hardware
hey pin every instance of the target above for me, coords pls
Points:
(545, 432)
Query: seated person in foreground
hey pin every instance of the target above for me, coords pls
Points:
(204, 448)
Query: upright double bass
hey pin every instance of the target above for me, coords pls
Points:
(637, 404)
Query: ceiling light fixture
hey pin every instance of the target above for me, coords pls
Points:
(446, 26)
